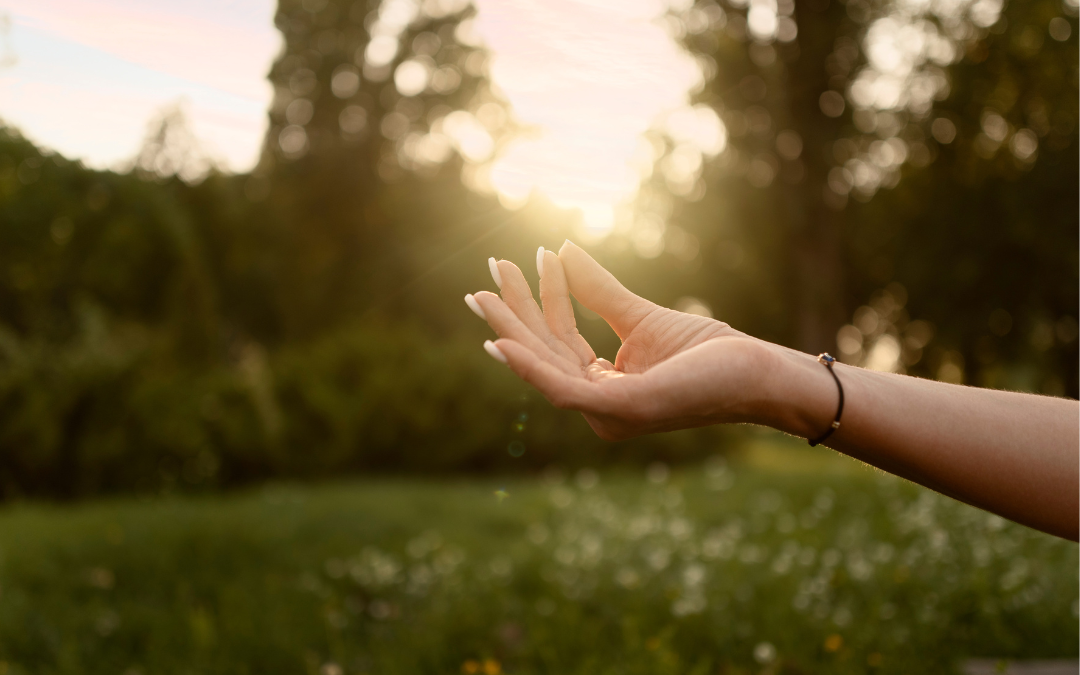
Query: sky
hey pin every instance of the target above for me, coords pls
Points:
(593, 75)
(588, 77)
(118, 63)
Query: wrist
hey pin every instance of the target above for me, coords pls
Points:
(799, 396)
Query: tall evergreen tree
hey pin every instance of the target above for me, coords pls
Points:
(361, 164)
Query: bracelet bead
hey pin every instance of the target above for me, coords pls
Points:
(828, 360)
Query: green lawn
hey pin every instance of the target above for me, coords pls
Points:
(787, 561)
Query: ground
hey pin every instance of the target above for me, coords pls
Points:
(779, 559)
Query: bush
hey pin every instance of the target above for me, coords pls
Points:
(112, 411)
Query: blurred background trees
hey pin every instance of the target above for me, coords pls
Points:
(897, 182)
(891, 145)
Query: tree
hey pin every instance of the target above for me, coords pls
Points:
(372, 114)
(829, 107)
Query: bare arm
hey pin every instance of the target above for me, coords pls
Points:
(1013, 454)
(1017, 455)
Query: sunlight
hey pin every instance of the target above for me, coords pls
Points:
(587, 78)
(121, 62)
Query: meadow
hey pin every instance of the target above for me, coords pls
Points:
(779, 559)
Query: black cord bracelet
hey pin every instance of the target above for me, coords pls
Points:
(826, 360)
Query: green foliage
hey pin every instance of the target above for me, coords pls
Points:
(146, 343)
(735, 568)
(981, 232)
(305, 320)
(113, 410)
(359, 218)
(968, 226)
(109, 412)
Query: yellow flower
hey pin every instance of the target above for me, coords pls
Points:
(833, 643)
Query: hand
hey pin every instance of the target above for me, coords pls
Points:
(1013, 454)
(673, 371)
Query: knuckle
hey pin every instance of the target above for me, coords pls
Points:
(568, 334)
(553, 343)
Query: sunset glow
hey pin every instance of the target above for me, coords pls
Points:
(587, 78)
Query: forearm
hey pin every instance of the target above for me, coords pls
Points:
(1013, 454)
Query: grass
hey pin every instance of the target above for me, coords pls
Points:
(782, 562)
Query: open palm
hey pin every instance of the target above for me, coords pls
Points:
(674, 370)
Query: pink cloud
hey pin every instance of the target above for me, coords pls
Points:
(225, 45)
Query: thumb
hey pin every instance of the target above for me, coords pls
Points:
(597, 289)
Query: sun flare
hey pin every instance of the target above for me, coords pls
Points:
(587, 79)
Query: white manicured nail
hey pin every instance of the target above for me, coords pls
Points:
(490, 348)
(494, 267)
(475, 306)
(540, 261)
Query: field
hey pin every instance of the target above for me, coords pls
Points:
(779, 560)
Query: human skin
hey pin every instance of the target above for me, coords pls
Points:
(1016, 455)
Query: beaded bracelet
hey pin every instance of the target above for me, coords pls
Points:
(826, 360)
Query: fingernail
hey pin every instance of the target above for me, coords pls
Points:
(490, 348)
(540, 261)
(494, 267)
(475, 306)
